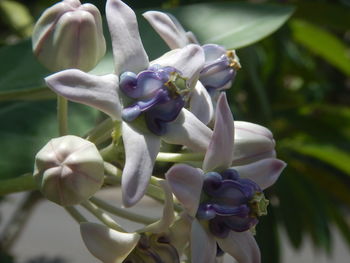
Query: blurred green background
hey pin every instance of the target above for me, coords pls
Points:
(296, 82)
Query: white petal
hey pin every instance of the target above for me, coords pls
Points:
(173, 34)
(188, 60)
(242, 246)
(108, 245)
(252, 143)
(264, 172)
(128, 51)
(96, 91)
(220, 151)
(189, 131)
(168, 213)
(186, 184)
(140, 153)
(201, 104)
(203, 245)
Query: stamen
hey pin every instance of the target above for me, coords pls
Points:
(259, 204)
(229, 202)
(233, 59)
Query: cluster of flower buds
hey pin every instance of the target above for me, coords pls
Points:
(178, 99)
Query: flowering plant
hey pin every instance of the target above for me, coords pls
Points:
(173, 109)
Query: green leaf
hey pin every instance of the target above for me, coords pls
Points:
(233, 25)
(322, 13)
(28, 94)
(17, 16)
(326, 153)
(19, 68)
(322, 43)
(27, 126)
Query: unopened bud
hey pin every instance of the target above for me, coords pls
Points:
(252, 143)
(68, 170)
(69, 35)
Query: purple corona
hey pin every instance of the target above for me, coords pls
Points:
(230, 203)
(220, 67)
(159, 93)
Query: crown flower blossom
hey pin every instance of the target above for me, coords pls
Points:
(224, 201)
(220, 66)
(148, 98)
(65, 33)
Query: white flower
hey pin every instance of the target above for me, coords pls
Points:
(109, 94)
(223, 201)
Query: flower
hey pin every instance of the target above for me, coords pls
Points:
(68, 170)
(223, 201)
(163, 239)
(141, 89)
(220, 65)
(65, 33)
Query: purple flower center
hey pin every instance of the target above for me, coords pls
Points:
(159, 93)
(220, 68)
(230, 203)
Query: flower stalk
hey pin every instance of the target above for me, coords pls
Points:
(62, 115)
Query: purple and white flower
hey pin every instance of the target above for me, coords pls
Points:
(146, 96)
(220, 65)
(224, 201)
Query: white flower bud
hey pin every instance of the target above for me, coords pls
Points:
(252, 143)
(69, 35)
(69, 170)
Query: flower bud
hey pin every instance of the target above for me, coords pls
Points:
(69, 35)
(68, 170)
(252, 143)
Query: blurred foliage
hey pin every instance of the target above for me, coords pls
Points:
(296, 82)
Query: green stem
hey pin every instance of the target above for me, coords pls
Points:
(101, 132)
(179, 157)
(62, 115)
(75, 214)
(153, 190)
(18, 184)
(122, 212)
(103, 217)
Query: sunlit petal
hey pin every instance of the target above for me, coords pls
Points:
(108, 245)
(189, 131)
(186, 184)
(220, 151)
(128, 51)
(188, 60)
(140, 153)
(173, 34)
(201, 104)
(96, 91)
(242, 246)
(264, 172)
(203, 245)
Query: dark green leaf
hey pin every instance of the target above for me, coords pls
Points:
(28, 126)
(323, 13)
(326, 153)
(233, 25)
(322, 43)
